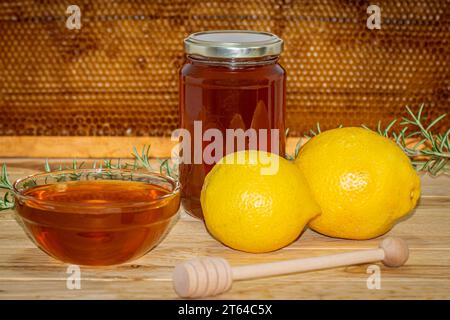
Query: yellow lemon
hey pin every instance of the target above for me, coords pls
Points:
(362, 181)
(256, 201)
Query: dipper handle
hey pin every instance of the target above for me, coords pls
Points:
(204, 277)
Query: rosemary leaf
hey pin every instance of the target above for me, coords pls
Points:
(6, 203)
(442, 116)
(4, 180)
(430, 152)
(297, 147)
(47, 166)
(388, 128)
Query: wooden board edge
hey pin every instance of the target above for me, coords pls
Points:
(92, 147)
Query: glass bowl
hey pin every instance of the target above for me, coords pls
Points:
(96, 216)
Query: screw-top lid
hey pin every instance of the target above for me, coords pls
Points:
(233, 44)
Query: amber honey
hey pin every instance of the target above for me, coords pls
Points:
(97, 222)
(231, 80)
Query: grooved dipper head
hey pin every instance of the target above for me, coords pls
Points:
(202, 277)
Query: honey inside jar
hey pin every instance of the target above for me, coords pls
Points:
(230, 80)
(97, 222)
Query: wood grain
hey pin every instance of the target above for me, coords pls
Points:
(26, 272)
(81, 147)
(91, 147)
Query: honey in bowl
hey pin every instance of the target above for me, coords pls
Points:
(97, 217)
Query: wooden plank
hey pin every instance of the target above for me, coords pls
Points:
(26, 272)
(90, 147)
(81, 147)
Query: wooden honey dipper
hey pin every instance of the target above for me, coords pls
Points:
(209, 276)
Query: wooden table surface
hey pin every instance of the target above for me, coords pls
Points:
(28, 273)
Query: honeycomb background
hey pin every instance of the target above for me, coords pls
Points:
(118, 74)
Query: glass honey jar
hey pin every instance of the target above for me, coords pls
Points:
(231, 83)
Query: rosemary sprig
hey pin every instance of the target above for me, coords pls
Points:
(428, 151)
(298, 145)
(7, 201)
(143, 159)
(313, 133)
(4, 179)
(382, 132)
(167, 169)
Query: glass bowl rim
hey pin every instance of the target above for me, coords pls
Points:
(174, 182)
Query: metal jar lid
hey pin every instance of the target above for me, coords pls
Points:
(233, 44)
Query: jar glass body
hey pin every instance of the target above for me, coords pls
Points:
(225, 94)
